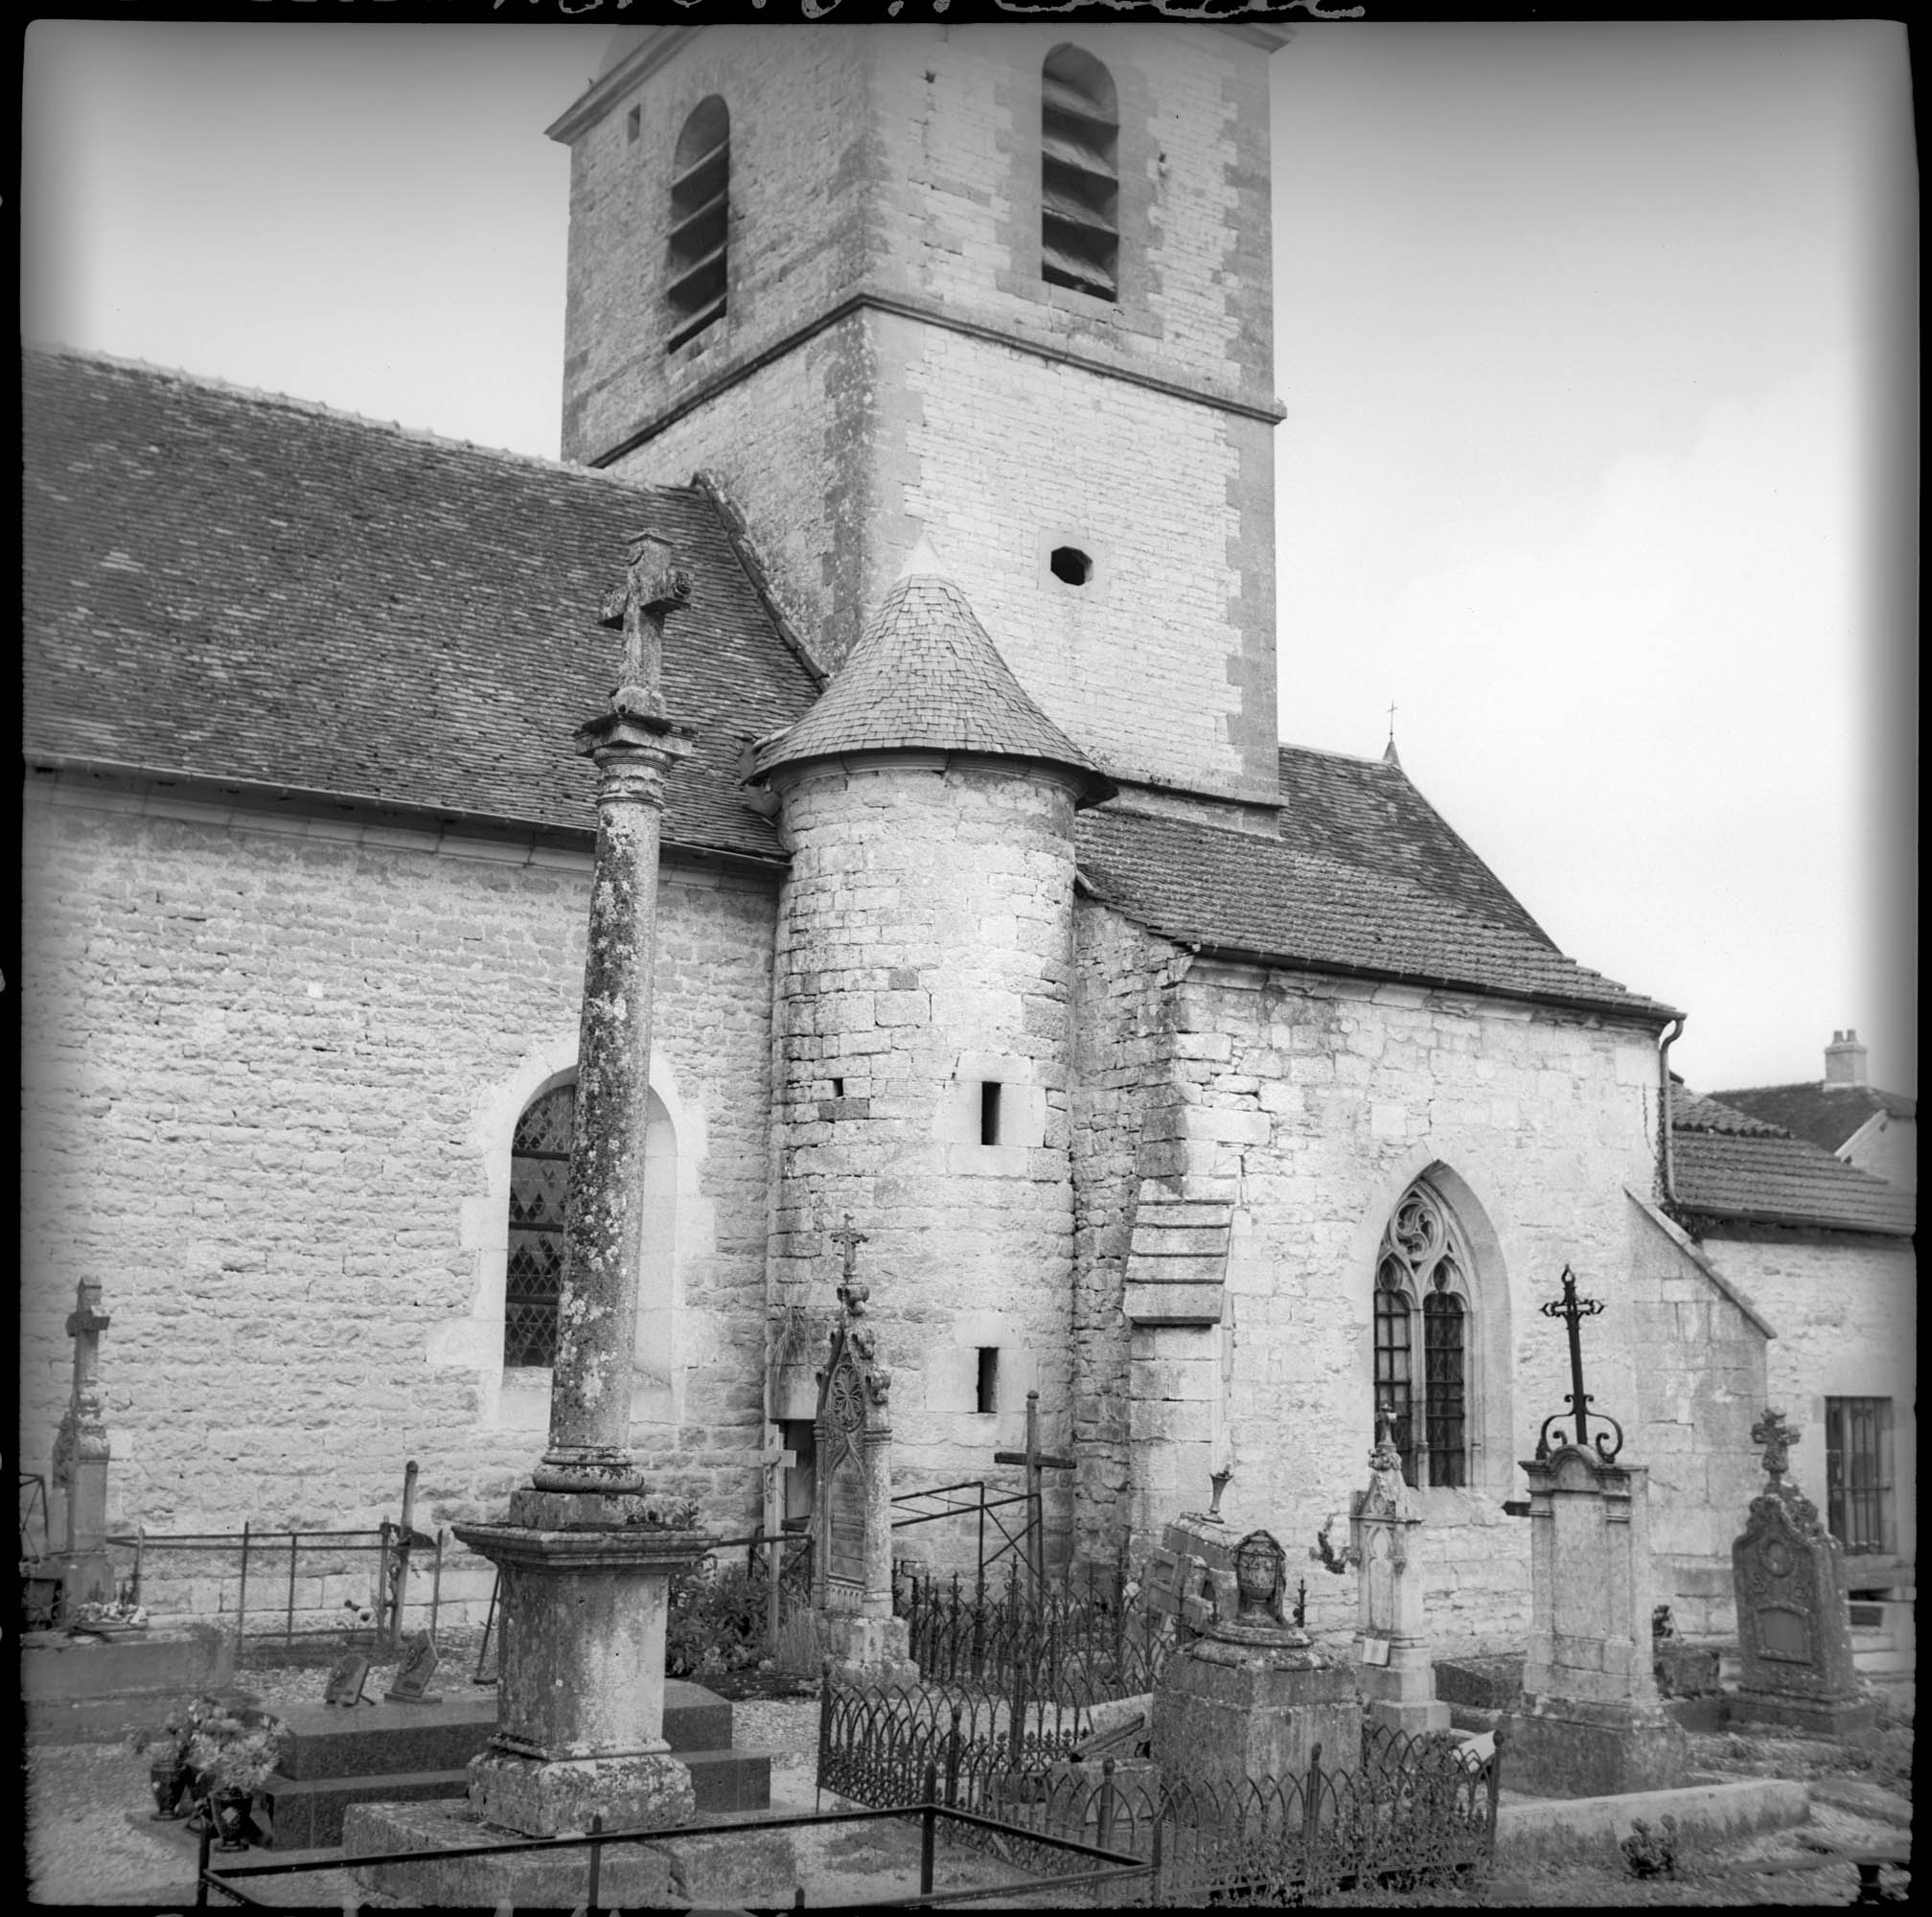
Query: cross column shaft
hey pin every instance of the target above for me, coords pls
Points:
(597, 1300)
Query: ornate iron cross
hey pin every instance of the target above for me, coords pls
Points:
(1573, 1310)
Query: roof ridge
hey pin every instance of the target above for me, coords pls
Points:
(264, 396)
(1333, 752)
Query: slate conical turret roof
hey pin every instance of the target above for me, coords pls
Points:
(925, 676)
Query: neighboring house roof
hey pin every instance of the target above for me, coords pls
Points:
(1828, 1115)
(1729, 1167)
(1240, 892)
(924, 673)
(1365, 812)
(225, 584)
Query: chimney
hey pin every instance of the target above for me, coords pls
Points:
(1844, 1060)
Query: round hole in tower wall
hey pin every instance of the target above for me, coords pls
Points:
(1071, 565)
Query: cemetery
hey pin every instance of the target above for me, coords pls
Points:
(1167, 1733)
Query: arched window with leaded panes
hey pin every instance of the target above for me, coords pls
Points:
(540, 1178)
(1423, 1344)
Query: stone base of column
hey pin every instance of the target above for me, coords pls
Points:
(1820, 1717)
(1400, 1695)
(874, 1651)
(1557, 1747)
(549, 1797)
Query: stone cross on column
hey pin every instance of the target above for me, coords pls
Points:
(80, 1456)
(584, 1555)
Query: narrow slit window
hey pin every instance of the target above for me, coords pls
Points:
(838, 1087)
(701, 205)
(989, 1114)
(1079, 174)
(986, 1388)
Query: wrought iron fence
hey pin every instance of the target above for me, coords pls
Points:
(1058, 1651)
(1406, 1810)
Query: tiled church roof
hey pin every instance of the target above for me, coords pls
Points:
(1239, 892)
(1828, 1115)
(1729, 1167)
(924, 673)
(230, 585)
(233, 586)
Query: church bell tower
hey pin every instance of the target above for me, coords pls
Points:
(1008, 285)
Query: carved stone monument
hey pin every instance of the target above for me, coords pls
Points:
(1190, 1573)
(853, 1507)
(1794, 1622)
(1252, 1696)
(1590, 1722)
(1395, 1678)
(80, 1456)
(584, 1554)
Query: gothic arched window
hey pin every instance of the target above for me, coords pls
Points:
(1079, 176)
(540, 1178)
(701, 195)
(1421, 1271)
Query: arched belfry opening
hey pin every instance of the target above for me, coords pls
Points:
(701, 208)
(1079, 174)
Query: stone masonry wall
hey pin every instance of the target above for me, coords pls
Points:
(925, 951)
(1846, 1312)
(1318, 1101)
(270, 1070)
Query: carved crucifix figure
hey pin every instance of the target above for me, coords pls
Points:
(653, 587)
(852, 1293)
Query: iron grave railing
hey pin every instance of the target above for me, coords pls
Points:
(1413, 1809)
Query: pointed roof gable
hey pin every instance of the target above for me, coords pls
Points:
(925, 676)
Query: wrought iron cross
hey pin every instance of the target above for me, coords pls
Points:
(653, 587)
(1573, 1310)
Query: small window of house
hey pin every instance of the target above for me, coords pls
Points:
(540, 1178)
(700, 183)
(1079, 177)
(1858, 1473)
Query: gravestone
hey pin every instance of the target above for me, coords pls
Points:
(853, 1505)
(1395, 1678)
(346, 1680)
(1590, 1722)
(1251, 1697)
(416, 1673)
(1190, 1573)
(80, 1458)
(1794, 1620)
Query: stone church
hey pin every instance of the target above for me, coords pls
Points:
(1212, 1089)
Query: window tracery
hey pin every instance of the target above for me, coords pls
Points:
(1422, 1270)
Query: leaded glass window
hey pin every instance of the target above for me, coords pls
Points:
(1421, 1267)
(539, 1177)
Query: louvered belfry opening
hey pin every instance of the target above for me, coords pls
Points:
(1079, 176)
(701, 206)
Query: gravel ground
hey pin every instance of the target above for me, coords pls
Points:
(90, 1841)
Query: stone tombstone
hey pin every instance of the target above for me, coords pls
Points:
(1395, 1678)
(346, 1680)
(1190, 1573)
(1794, 1621)
(1590, 1722)
(416, 1673)
(1251, 1697)
(853, 1501)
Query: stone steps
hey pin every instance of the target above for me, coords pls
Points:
(375, 1753)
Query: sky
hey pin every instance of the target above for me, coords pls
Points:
(1599, 463)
